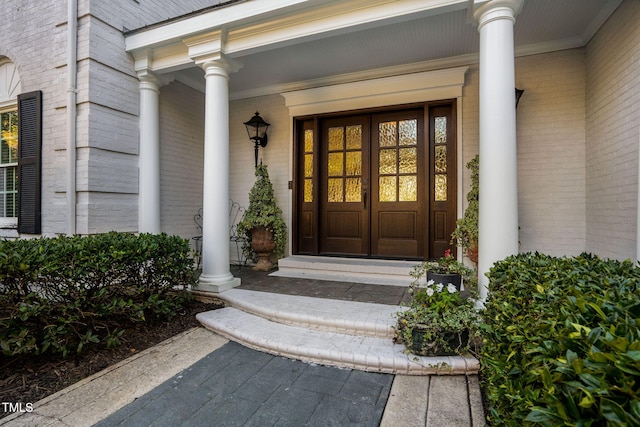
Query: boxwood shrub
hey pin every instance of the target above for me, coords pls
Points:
(59, 294)
(562, 342)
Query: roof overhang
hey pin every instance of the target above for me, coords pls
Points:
(296, 44)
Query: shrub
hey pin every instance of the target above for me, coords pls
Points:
(562, 342)
(59, 294)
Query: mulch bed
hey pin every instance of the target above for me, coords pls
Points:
(28, 379)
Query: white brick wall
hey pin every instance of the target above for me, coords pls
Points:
(613, 134)
(551, 152)
(550, 138)
(276, 155)
(181, 153)
(107, 116)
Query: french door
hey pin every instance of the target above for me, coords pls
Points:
(380, 184)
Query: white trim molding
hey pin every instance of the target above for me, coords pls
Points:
(386, 91)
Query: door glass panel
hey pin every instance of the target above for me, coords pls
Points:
(308, 190)
(335, 164)
(354, 137)
(308, 141)
(441, 158)
(353, 191)
(388, 162)
(308, 165)
(387, 134)
(408, 188)
(408, 132)
(335, 190)
(441, 188)
(336, 138)
(387, 189)
(408, 160)
(440, 130)
(354, 163)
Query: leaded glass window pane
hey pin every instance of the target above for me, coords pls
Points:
(308, 141)
(354, 163)
(336, 164)
(440, 130)
(408, 132)
(335, 190)
(336, 139)
(387, 134)
(388, 162)
(441, 159)
(353, 191)
(308, 190)
(354, 137)
(408, 188)
(408, 160)
(388, 187)
(441, 188)
(308, 165)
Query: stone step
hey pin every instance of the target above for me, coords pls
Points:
(346, 317)
(331, 332)
(356, 270)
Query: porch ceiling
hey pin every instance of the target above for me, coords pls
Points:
(415, 42)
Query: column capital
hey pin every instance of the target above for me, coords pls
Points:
(218, 64)
(208, 51)
(149, 80)
(485, 11)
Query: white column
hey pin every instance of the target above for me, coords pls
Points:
(149, 157)
(498, 213)
(216, 276)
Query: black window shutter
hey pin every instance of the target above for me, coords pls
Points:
(29, 161)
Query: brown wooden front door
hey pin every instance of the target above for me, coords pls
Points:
(367, 185)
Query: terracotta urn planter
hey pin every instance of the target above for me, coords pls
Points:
(472, 253)
(263, 245)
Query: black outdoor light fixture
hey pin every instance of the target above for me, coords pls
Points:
(519, 93)
(257, 130)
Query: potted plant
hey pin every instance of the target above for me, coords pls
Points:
(466, 233)
(445, 270)
(262, 224)
(439, 320)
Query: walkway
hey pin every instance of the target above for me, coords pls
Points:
(199, 378)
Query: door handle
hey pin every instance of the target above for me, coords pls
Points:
(364, 196)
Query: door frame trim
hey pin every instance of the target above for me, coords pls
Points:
(387, 92)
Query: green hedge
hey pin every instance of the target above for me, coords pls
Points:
(562, 342)
(59, 294)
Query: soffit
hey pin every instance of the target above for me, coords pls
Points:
(410, 43)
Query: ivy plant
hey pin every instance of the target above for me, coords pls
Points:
(263, 211)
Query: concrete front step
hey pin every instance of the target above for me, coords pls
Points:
(304, 328)
(346, 317)
(356, 270)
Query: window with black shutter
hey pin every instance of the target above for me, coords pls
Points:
(29, 161)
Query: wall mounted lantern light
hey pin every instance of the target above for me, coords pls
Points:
(257, 130)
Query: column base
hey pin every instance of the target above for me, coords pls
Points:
(216, 285)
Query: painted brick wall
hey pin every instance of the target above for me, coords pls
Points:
(550, 137)
(107, 116)
(181, 158)
(613, 134)
(38, 66)
(108, 111)
(551, 152)
(276, 155)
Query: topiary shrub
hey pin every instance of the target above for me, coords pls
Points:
(59, 294)
(562, 342)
